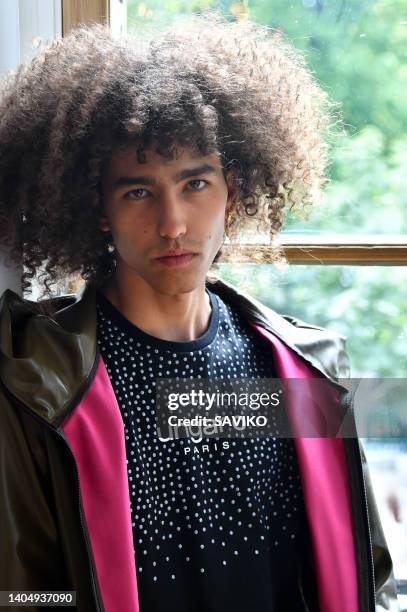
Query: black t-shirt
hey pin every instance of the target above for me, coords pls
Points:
(217, 523)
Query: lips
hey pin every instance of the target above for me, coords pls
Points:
(176, 260)
(175, 253)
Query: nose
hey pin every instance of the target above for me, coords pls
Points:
(171, 217)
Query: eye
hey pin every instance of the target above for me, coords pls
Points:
(195, 185)
(137, 192)
(194, 181)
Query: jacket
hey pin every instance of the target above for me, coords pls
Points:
(65, 504)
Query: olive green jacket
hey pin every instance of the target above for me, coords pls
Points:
(64, 512)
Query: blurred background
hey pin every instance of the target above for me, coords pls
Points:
(357, 51)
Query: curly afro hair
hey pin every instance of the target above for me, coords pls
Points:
(237, 88)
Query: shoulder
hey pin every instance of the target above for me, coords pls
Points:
(323, 347)
(10, 301)
(45, 359)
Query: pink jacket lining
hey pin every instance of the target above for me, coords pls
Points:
(95, 432)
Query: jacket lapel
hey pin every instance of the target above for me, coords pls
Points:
(95, 433)
(325, 485)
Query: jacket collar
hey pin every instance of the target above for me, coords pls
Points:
(323, 348)
(46, 362)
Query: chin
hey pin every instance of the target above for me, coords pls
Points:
(182, 283)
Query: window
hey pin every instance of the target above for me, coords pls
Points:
(347, 260)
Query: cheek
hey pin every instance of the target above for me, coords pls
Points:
(131, 237)
(214, 235)
(219, 224)
(212, 220)
(132, 224)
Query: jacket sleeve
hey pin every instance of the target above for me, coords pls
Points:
(386, 589)
(385, 583)
(30, 552)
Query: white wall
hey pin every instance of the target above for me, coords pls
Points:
(118, 17)
(22, 23)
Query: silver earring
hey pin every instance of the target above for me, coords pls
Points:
(109, 241)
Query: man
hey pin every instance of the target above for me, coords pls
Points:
(131, 162)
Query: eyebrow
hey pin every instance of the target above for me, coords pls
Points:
(149, 180)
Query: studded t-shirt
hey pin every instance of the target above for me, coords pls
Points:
(216, 524)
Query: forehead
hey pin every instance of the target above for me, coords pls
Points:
(126, 157)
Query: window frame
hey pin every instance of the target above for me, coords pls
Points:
(328, 250)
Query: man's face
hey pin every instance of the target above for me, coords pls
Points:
(164, 205)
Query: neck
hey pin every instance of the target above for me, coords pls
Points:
(178, 317)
